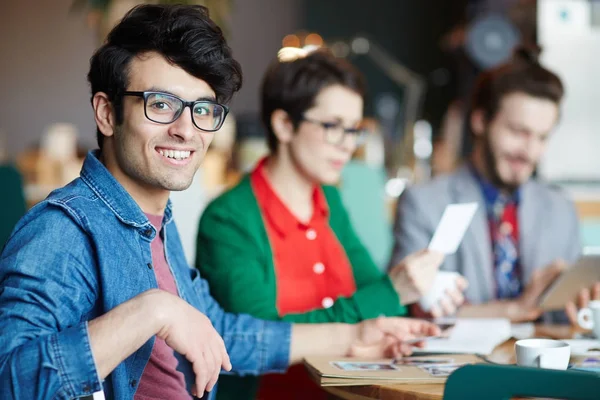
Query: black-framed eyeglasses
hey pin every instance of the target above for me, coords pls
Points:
(335, 133)
(165, 108)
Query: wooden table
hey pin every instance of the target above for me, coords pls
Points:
(502, 354)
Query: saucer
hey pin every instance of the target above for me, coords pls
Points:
(584, 347)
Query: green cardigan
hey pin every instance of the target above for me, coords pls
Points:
(234, 255)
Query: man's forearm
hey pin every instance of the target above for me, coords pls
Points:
(119, 333)
(321, 339)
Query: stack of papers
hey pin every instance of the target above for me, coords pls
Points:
(471, 336)
(414, 370)
(522, 331)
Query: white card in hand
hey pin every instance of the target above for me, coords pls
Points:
(452, 227)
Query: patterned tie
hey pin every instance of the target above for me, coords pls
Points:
(504, 233)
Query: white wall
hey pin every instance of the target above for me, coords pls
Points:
(45, 51)
(571, 48)
(45, 54)
(257, 29)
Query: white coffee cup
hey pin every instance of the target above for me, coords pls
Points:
(589, 317)
(444, 280)
(543, 353)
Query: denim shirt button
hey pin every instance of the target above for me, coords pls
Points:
(149, 265)
(133, 383)
(86, 389)
(148, 232)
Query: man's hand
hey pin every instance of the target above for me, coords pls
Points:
(447, 306)
(117, 334)
(584, 297)
(525, 308)
(413, 276)
(384, 337)
(190, 333)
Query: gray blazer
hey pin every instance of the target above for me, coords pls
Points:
(548, 228)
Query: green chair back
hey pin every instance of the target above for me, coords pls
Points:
(12, 201)
(363, 193)
(505, 382)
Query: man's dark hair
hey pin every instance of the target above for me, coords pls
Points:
(523, 74)
(184, 35)
(292, 86)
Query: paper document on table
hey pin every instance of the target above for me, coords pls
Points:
(471, 336)
(345, 371)
(523, 331)
(452, 227)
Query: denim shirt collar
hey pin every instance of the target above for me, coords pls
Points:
(114, 195)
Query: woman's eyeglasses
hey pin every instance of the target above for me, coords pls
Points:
(335, 133)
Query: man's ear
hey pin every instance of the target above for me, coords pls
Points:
(282, 126)
(478, 122)
(104, 114)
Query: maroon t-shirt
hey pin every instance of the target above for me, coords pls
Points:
(160, 379)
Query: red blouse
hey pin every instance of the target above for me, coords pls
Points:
(311, 266)
(312, 272)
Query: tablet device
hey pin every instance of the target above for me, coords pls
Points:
(566, 287)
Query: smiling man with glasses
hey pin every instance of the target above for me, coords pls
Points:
(95, 291)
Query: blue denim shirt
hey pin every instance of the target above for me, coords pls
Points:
(77, 255)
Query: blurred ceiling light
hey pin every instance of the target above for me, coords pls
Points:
(288, 54)
(309, 48)
(290, 41)
(423, 129)
(395, 186)
(387, 106)
(422, 147)
(313, 39)
(340, 49)
(360, 45)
